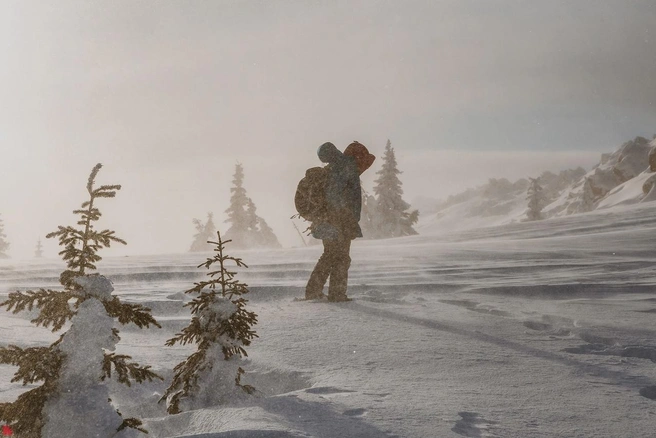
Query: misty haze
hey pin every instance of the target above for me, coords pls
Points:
(328, 219)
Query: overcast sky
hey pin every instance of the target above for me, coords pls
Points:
(170, 95)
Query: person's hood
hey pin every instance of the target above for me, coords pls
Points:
(328, 153)
(360, 153)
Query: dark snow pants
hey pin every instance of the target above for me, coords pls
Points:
(334, 263)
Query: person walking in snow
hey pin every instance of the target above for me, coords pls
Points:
(341, 225)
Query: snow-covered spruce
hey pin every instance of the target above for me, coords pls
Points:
(221, 327)
(73, 400)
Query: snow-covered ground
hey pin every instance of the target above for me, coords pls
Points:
(536, 329)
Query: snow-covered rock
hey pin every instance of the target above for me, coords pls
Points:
(652, 156)
(625, 176)
(612, 171)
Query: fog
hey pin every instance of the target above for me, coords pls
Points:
(169, 96)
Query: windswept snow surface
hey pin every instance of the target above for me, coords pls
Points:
(536, 329)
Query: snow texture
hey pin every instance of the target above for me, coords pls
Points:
(80, 408)
(530, 329)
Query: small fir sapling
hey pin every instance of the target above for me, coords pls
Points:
(220, 327)
(73, 400)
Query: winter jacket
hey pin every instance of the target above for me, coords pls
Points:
(343, 195)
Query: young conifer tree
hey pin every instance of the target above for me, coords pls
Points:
(220, 327)
(392, 218)
(73, 399)
(4, 245)
(204, 231)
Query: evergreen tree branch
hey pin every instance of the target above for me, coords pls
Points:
(249, 389)
(34, 363)
(193, 333)
(185, 380)
(54, 309)
(127, 371)
(125, 312)
(25, 414)
(132, 423)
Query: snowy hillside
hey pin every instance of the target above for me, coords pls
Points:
(533, 329)
(622, 177)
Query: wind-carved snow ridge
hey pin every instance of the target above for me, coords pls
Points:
(449, 335)
(81, 392)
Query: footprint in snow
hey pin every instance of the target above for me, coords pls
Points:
(355, 412)
(538, 326)
(326, 390)
(472, 425)
(635, 351)
(649, 392)
(552, 331)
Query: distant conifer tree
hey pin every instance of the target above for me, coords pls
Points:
(204, 232)
(251, 217)
(536, 200)
(74, 367)
(237, 215)
(260, 233)
(266, 236)
(247, 229)
(4, 245)
(220, 327)
(39, 250)
(392, 218)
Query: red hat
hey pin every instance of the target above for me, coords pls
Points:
(362, 157)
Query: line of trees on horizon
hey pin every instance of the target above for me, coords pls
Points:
(385, 214)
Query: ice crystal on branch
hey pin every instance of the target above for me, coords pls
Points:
(220, 326)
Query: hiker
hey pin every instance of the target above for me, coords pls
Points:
(340, 225)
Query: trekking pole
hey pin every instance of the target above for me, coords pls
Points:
(299, 233)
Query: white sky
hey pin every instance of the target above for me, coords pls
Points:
(170, 95)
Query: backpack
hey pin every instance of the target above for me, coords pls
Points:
(310, 198)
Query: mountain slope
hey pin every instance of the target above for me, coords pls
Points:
(621, 177)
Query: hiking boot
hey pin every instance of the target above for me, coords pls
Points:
(317, 296)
